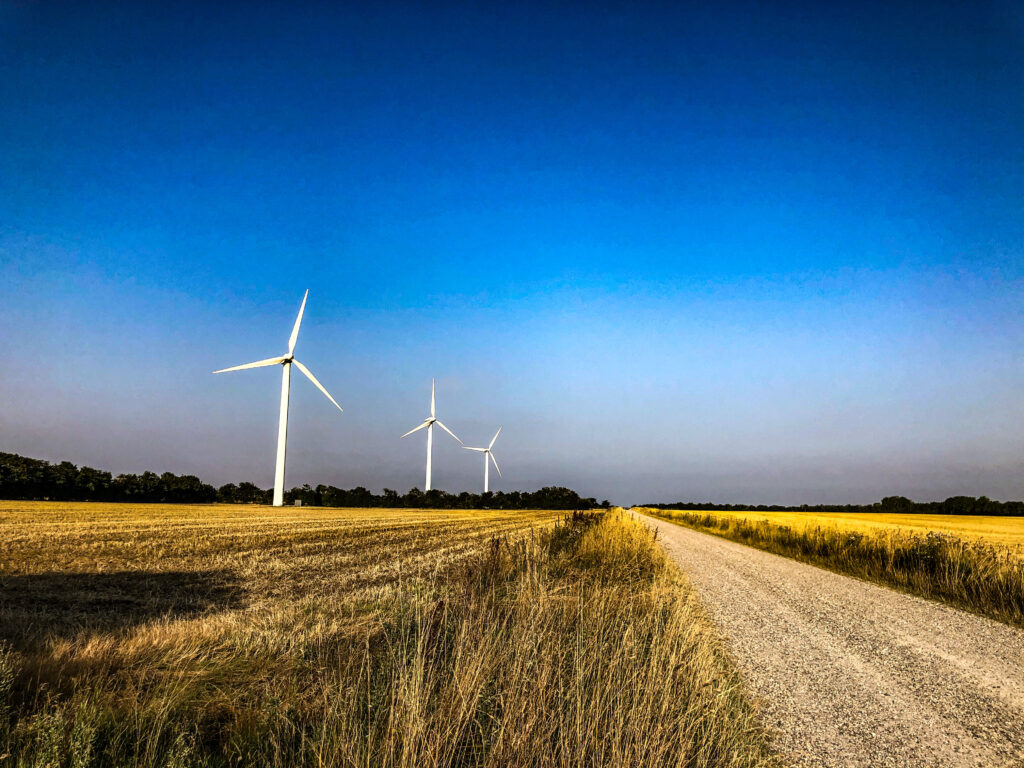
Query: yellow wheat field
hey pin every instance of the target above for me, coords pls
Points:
(975, 563)
(1005, 531)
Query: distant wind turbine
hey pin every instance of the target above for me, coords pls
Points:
(428, 424)
(487, 454)
(286, 375)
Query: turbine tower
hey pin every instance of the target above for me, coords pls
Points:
(487, 454)
(286, 363)
(428, 424)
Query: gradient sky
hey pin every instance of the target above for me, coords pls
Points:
(719, 252)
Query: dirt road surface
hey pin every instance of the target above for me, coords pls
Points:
(848, 673)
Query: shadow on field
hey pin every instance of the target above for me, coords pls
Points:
(35, 606)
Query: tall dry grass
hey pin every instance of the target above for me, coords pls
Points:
(972, 574)
(576, 644)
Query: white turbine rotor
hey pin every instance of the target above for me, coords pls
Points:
(442, 426)
(424, 425)
(316, 383)
(257, 364)
(295, 329)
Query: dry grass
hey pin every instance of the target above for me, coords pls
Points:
(154, 636)
(970, 572)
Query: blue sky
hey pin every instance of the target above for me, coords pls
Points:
(734, 253)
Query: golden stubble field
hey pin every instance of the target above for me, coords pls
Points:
(155, 574)
(149, 635)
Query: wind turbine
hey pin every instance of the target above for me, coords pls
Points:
(428, 424)
(487, 454)
(286, 363)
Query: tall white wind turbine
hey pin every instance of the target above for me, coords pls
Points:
(428, 424)
(286, 363)
(487, 455)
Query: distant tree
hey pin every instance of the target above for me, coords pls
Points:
(228, 494)
(896, 505)
(306, 494)
(250, 493)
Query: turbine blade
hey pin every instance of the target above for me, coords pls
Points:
(295, 330)
(257, 364)
(316, 383)
(442, 426)
(482, 450)
(424, 425)
(432, 388)
(494, 438)
(495, 462)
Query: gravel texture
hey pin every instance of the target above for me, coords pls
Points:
(848, 673)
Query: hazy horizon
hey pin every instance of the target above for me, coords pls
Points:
(739, 254)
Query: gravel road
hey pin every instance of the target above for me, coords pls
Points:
(851, 674)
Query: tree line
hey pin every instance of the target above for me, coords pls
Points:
(552, 497)
(954, 505)
(25, 478)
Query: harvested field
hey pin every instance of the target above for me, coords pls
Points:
(204, 569)
(158, 635)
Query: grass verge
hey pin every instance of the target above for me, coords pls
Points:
(577, 645)
(970, 574)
